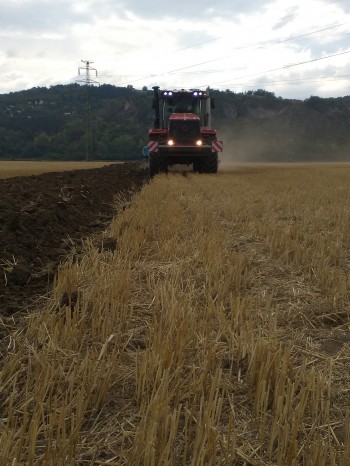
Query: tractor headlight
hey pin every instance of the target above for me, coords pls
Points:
(199, 142)
(171, 142)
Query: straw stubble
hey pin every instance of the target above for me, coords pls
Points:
(203, 339)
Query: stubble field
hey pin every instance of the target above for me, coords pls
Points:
(9, 169)
(209, 326)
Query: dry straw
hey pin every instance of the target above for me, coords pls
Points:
(217, 332)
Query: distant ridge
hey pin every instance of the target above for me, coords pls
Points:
(50, 123)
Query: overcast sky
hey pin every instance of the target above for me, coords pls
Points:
(292, 48)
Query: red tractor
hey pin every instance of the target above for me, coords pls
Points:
(182, 131)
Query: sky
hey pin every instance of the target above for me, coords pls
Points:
(295, 49)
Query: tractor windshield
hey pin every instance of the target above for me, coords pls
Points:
(181, 102)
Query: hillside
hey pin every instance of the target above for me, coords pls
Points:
(50, 123)
(258, 126)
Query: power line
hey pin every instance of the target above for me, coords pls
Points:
(280, 68)
(299, 37)
(150, 76)
(197, 44)
(315, 79)
(271, 44)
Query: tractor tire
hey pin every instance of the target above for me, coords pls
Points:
(157, 165)
(153, 165)
(163, 166)
(209, 164)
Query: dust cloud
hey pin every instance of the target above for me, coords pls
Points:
(241, 150)
(277, 144)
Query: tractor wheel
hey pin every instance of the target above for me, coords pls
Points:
(163, 166)
(157, 164)
(209, 164)
(153, 165)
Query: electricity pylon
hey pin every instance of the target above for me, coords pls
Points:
(88, 82)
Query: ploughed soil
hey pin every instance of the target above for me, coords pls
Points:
(43, 216)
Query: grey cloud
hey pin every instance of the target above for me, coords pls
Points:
(344, 4)
(288, 18)
(182, 8)
(35, 48)
(39, 16)
(11, 53)
(335, 43)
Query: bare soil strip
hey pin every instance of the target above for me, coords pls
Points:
(43, 218)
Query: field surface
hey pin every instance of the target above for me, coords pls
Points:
(9, 169)
(43, 217)
(208, 325)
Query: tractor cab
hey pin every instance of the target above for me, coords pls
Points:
(166, 103)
